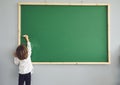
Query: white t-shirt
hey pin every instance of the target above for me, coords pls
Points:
(25, 66)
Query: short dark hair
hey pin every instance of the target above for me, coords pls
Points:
(22, 52)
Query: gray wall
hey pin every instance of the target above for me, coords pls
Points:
(58, 74)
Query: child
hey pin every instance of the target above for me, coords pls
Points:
(23, 60)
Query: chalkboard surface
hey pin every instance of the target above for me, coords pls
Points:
(66, 33)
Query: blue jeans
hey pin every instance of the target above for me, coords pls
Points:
(24, 78)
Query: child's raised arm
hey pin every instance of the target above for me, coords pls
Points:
(28, 44)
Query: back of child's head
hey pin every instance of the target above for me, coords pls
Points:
(22, 52)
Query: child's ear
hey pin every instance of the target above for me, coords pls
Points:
(14, 54)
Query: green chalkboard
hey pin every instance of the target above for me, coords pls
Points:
(66, 33)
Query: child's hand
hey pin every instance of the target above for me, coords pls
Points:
(26, 37)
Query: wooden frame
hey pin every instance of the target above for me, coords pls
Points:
(29, 3)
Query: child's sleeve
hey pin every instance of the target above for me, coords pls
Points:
(29, 48)
(16, 61)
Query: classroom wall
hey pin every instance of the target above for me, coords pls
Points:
(58, 74)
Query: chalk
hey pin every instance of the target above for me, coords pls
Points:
(23, 35)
